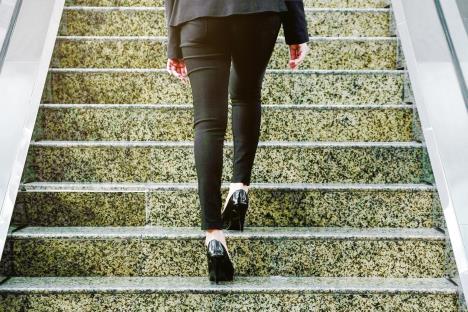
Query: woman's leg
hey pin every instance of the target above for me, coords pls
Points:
(253, 38)
(207, 56)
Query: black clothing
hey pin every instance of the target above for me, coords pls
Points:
(208, 46)
(180, 11)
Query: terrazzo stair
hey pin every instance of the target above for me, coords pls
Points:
(149, 21)
(307, 3)
(343, 212)
(175, 251)
(165, 204)
(174, 122)
(152, 86)
(157, 161)
(253, 294)
(150, 52)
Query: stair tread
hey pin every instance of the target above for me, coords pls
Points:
(93, 186)
(271, 284)
(158, 232)
(190, 106)
(410, 144)
(160, 8)
(269, 70)
(280, 39)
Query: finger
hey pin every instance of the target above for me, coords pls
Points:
(180, 71)
(293, 56)
(168, 66)
(184, 71)
(293, 53)
(292, 65)
(174, 68)
(171, 69)
(184, 75)
(174, 72)
(301, 57)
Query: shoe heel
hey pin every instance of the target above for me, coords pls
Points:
(238, 217)
(242, 220)
(233, 215)
(215, 269)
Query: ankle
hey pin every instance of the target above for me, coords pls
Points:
(236, 186)
(214, 234)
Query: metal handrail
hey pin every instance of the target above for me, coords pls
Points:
(11, 24)
(462, 77)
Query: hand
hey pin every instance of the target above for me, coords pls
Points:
(176, 67)
(297, 53)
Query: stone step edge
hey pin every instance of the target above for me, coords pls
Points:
(190, 105)
(268, 106)
(195, 233)
(271, 284)
(290, 144)
(281, 39)
(159, 8)
(277, 71)
(144, 187)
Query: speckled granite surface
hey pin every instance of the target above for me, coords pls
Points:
(175, 123)
(259, 294)
(85, 208)
(255, 252)
(268, 207)
(173, 162)
(251, 284)
(151, 53)
(307, 3)
(151, 22)
(230, 302)
(158, 86)
(305, 208)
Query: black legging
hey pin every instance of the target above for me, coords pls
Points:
(208, 45)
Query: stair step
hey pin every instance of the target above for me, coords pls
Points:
(276, 162)
(161, 251)
(150, 52)
(151, 21)
(142, 86)
(246, 293)
(175, 122)
(307, 3)
(96, 204)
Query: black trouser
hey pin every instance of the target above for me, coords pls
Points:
(208, 45)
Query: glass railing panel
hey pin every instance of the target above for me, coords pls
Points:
(451, 17)
(8, 13)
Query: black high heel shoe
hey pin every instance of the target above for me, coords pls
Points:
(233, 215)
(220, 267)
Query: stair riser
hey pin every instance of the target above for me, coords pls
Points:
(146, 87)
(252, 256)
(408, 302)
(356, 208)
(320, 164)
(307, 3)
(324, 54)
(176, 124)
(152, 22)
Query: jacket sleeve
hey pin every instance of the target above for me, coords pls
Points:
(173, 33)
(295, 23)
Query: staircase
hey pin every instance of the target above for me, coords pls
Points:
(343, 212)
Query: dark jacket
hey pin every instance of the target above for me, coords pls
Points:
(179, 11)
